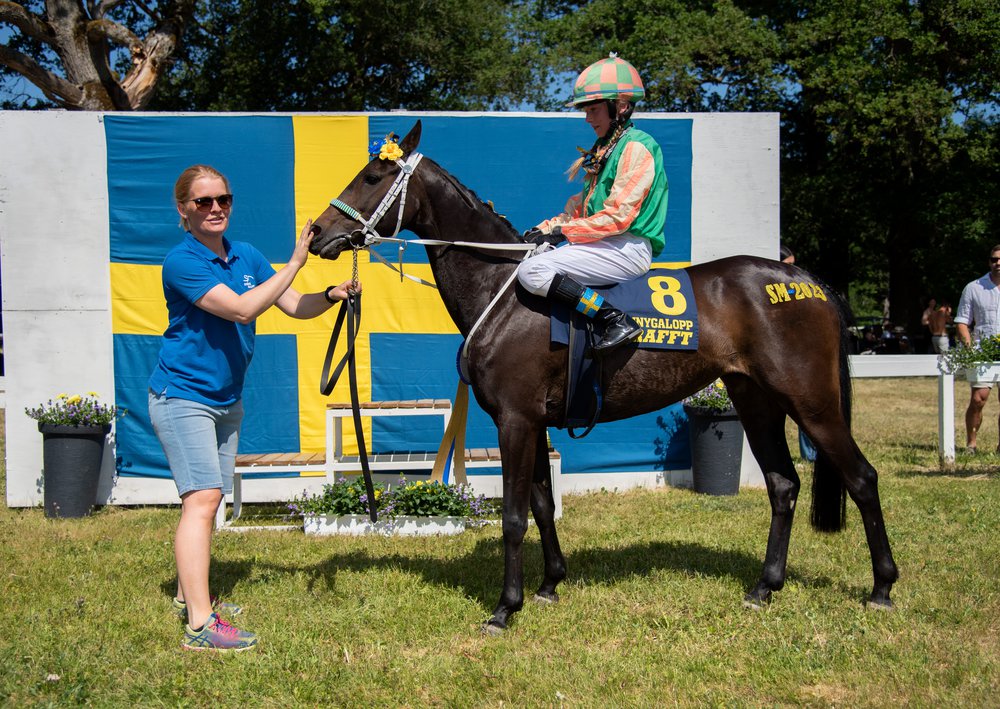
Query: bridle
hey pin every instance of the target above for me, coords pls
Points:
(398, 189)
(372, 237)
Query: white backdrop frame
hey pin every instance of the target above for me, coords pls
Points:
(55, 256)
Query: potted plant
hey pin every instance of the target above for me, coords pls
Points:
(74, 429)
(716, 436)
(408, 508)
(979, 361)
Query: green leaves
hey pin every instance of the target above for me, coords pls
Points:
(986, 351)
(419, 498)
(353, 55)
(715, 397)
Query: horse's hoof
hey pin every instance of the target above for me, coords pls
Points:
(545, 599)
(755, 601)
(879, 606)
(492, 629)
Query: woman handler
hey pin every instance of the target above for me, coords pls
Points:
(215, 290)
(610, 231)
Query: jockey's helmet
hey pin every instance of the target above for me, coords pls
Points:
(610, 78)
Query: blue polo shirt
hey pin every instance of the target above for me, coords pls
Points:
(204, 357)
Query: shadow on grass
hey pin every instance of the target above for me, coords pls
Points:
(967, 465)
(963, 469)
(478, 575)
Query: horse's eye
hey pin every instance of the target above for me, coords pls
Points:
(372, 179)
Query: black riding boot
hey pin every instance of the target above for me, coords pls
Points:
(612, 325)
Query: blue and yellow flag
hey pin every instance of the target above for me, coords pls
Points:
(285, 169)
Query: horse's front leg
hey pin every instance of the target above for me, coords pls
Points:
(543, 508)
(517, 450)
(764, 424)
(783, 490)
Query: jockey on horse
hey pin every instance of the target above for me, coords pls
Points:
(610, 231)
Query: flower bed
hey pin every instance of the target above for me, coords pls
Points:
(407, 508)
(403, 525)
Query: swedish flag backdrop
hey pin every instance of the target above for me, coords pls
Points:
(284, 170)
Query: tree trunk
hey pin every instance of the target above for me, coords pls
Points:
(82, 44)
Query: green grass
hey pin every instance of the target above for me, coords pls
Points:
(650, 614)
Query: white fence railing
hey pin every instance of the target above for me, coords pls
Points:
(917, 366)
(862, 366)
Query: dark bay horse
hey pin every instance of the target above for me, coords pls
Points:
(778, 358)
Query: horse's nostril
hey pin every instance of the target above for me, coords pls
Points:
(316, 230)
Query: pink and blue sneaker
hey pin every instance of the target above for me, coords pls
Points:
(218, 635)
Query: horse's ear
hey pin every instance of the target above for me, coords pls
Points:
(411, 140)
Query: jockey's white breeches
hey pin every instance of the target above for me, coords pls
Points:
(614, 259)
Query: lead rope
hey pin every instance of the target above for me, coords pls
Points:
(351, 310)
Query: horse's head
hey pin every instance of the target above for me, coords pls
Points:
(336, 230)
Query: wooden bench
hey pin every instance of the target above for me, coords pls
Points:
(314, 465)
(336, 412)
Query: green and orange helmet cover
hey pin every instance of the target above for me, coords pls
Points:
(609, 79)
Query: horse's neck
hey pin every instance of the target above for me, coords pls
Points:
(467, 278)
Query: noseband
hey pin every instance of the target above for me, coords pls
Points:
(398, 189)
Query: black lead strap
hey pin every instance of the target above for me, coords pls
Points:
(350, 310)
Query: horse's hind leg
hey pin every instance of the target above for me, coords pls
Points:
(863, 489)
(543, 509)
(764, 424)
(839, 464)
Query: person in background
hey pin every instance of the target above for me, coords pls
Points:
(979, 307)
(807, 451)
(869, 343)
(926, 315)
(609, 232)
(925, 321)
(215, 290)
(937, 324)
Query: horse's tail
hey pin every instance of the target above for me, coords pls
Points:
(829, 496)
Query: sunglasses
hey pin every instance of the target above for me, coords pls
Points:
(994, 259)
(204, 204)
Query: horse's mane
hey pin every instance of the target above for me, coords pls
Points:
(474, 201)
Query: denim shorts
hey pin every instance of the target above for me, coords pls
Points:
(200, 441)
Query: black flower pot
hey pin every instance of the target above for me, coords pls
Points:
(71, 458)
(716, 450)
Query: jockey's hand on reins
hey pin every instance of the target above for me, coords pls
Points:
(537, 237)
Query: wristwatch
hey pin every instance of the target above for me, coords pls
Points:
(326, 294)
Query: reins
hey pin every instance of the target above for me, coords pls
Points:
(350, 309)
(453, 443)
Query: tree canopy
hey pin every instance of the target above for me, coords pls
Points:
(353, 55)
(889, 108)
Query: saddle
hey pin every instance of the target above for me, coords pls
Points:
(660, 301)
